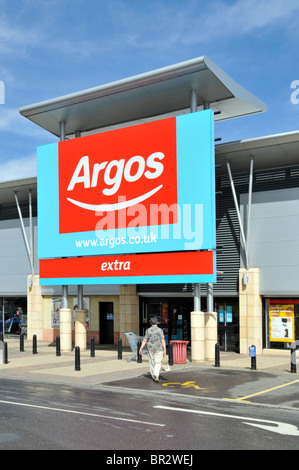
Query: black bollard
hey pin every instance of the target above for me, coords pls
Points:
(293, 360)
(22, 342)
(252, 354)
(92, 347)
(139, 356)
(58, 346)
(217, 355)
(77, 358)
(34, 346)
(170, 354)
(119, 349)
(5, 357)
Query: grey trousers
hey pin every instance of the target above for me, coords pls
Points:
(155, 362)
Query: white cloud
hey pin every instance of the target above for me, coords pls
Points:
(12, 121)
(18, 168)
(158, 24)
(165, 24)
(14, 38)
(245, 16)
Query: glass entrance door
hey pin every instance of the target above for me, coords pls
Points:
(228, 324)
(106, 323)
(13, 315)
(173, 315)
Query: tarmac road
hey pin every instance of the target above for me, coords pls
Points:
(49, 416)
(234, 385)
(46, 403)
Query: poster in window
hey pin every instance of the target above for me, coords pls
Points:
(56, 305)
(229, 314)
(281, 322)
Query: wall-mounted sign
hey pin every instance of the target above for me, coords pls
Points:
(140, 189)
(198, 266)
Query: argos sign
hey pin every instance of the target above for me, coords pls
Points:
(140, 189)
(114, 171)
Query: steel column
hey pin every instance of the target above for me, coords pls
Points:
(210, 297)
(24, 234)
(238, 213)
(62, 130)
(64, 296)
(249, 208)
(80, 297)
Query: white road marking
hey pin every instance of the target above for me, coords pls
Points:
(80, 413)
(274, 426)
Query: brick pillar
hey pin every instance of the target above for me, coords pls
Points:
(250, 310)
(128, 311)
(80, 329)
(198, 337)
(35, 309)
(66, 329)
(211, 334)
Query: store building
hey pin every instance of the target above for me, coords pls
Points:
(18, 227)
(257, 190)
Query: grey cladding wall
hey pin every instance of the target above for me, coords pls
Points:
(274, 240)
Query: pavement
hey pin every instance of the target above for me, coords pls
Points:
(105, 367)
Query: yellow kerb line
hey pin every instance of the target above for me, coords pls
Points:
(260, 393)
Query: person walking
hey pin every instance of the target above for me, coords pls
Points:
(155, 341)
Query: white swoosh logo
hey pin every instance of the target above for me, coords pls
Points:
(116, 206)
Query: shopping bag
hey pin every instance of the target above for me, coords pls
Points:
(165, 365)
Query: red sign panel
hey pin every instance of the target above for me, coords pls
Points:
(152, 264)
(105, 179)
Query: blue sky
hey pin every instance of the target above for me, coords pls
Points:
(49, 48)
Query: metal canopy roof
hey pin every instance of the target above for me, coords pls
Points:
(161, 92)
(21, 187)
(273, 151)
